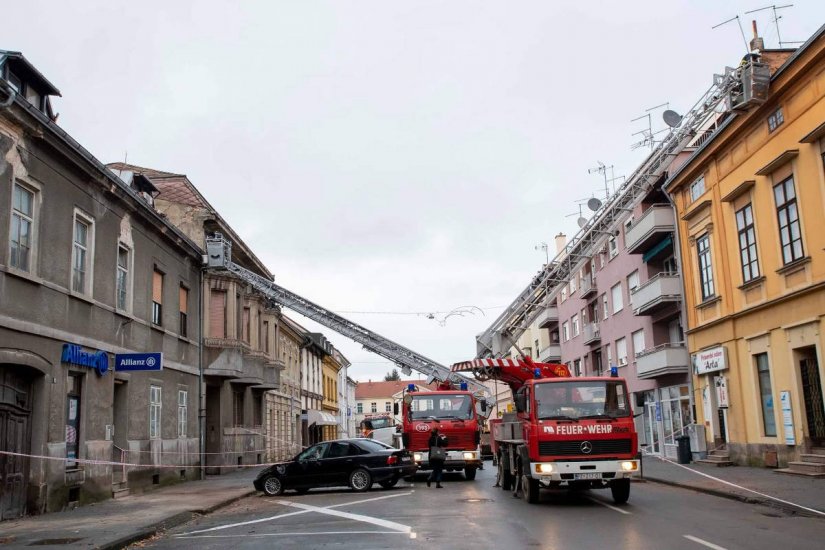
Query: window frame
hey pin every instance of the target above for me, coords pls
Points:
(373, 406)
(127, 276)
(565, 331)
(786, 206)
(88, 250)
(156, 308)
(183, 316)
(697, 188)
(775, 119)
(705, 262)
(619, 357)
(32, 220)
(636, 350)
(155, 411)
(748, 252)
(574, 324)
(605, 307)
(183, 412)
(359, 408)
(613, 298)
(763, 393)
(632, 277)
(612, 247)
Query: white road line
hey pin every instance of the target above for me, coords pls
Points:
(261, 520)
(697, 540)
(294, 534)
(606, 505)
(357, 517)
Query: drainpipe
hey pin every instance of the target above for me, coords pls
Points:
(201, 396)
(9, 100)
(683, 308)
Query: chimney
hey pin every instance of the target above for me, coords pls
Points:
(758, 43)
(561, 242)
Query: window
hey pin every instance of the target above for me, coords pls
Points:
(632, 283)
(612, 247)
(775, 120)
(75, 382)
(705, 267)
(122, 282)
(564, 293)
(154, 412)
(182, 412)
(387, 406)
(183, 299)
(22, 227)
(621, 351)
(638, 342)
(628, 223)
(584, 316)
(359, 408)
(618, 299)
(790, 235)
(577, 367)
(669, 265)
(575, 322)
(157, 298)
(747, 243)
(265, 337)
(573, 284)
(697, 188)
(609, 355)
(245, 326)
(237, 408)
(82, 254)
(565, 331)
(217, 313)
(374, 407)
(766, 394)
(675, 411)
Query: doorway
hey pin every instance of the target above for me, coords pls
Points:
(15, 416)
(652, 419)
(120, 413)
(812, 396)
(214, 432)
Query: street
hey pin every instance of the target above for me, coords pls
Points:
(474, 514)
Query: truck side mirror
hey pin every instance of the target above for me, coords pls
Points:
(395, 409)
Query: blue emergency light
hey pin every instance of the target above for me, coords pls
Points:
(410, 387)
(463, 386)
(537, 372)
(614, 371)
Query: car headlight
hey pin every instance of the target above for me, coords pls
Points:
(544, 468)
(418, 457)
(629, 465)
(469, 456)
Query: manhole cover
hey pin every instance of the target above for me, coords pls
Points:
(48, 542)
(475, 500)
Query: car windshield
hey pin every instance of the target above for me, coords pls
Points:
(581, 399)
(376, 423)
(372, 446)
(441, 406)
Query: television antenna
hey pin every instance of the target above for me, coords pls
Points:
(602, 169)
(741, 30)
(648, 135)
(776, 18)
(543, 246)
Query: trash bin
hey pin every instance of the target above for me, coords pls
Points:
(684, 456)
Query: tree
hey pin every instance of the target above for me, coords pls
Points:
(392, 376)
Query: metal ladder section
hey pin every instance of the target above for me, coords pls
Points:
(219, 256)
(730, 92)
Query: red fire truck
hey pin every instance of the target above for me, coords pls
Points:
(457, 415)
(573, 432)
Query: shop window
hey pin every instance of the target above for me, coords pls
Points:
(675, 411)
(766, 394)
(73, 416)
(790, 232)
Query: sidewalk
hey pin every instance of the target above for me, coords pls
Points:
(793, 494)
(116, 523)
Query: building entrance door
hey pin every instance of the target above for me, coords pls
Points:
(15, 414)
(652, 425)
(812, 397)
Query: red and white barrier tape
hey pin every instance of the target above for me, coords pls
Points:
(133, 465)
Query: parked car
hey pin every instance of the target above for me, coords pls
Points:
(356, 462)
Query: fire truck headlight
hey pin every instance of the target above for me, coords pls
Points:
(629, 465)
(544, 468)
(418, 457)
(469, 456)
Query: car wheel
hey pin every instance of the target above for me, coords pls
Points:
(388, 483)
(273, 486)
(360, 480)
(621, 490)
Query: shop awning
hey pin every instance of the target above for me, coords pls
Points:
(661, 245)
(321, 418)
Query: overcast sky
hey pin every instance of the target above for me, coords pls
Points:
(386, 156)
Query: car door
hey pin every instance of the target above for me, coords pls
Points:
(308, 468)
(339, 462)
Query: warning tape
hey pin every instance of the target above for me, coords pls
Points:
(131, 464)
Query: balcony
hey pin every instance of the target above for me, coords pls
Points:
(588, 287)
(656, 294)
(656, 222)
(548, 317)
(590, 333)
(662, 360)
(550, 354)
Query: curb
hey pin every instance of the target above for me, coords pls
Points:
(172, 521)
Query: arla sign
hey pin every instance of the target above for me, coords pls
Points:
(710, 360)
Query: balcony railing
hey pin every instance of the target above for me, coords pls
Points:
(548, 317)
(588, 287)
(550, 354)
(656, 293)
(590, 333)
(656, 221)
(661, 360)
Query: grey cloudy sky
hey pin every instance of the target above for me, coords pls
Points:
(385, 156)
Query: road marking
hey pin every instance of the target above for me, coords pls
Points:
(606, 505)
(357, 517)
(697, 540)
(294, 534)
(261, 520)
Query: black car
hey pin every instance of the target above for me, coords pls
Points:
(355, 462)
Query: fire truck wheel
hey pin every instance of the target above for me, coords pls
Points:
(621, 490)
(529, 489)
(387, 483)
(360, 480)
(469, 473)
(504, 475)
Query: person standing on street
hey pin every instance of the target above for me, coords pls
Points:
(438, 454)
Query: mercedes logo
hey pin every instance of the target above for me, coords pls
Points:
(586, 447)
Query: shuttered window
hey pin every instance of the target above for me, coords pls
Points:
(217, 314)
(157, 297)
(183, 300)
(246, 316)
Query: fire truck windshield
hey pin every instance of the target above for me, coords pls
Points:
(576, 400)
(441, 406)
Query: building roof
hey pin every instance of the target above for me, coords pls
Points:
(21, 66)
(386, 389)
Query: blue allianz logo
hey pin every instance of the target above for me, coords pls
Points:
(74, 355)
(138, 361)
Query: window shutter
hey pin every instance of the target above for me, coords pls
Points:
(217, 314)
(184, 299)
(157, 287)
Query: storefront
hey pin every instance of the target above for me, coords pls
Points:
(710, 365)
(666, 416)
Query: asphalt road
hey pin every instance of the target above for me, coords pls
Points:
(474, 514)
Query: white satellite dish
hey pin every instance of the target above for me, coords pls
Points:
(594, 204)
(672, 118)
(582, 221)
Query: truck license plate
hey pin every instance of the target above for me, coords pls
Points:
(588, 475)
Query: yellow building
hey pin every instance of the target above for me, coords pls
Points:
(750, 205)
(329, 371)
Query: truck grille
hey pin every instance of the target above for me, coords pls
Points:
(600, 447)
(458, 440)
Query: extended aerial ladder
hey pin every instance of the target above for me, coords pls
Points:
(734, 91)
(219, 256)
(513, 372)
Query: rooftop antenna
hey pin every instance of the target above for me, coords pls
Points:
(602, 169)
(741, 30)
(581, 221)
(648, 134)
(776, 18)
(543, 246)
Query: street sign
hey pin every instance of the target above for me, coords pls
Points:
(138, 361)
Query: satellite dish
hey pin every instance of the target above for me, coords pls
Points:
(594, 204)
(672, 118)
(582, 221)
